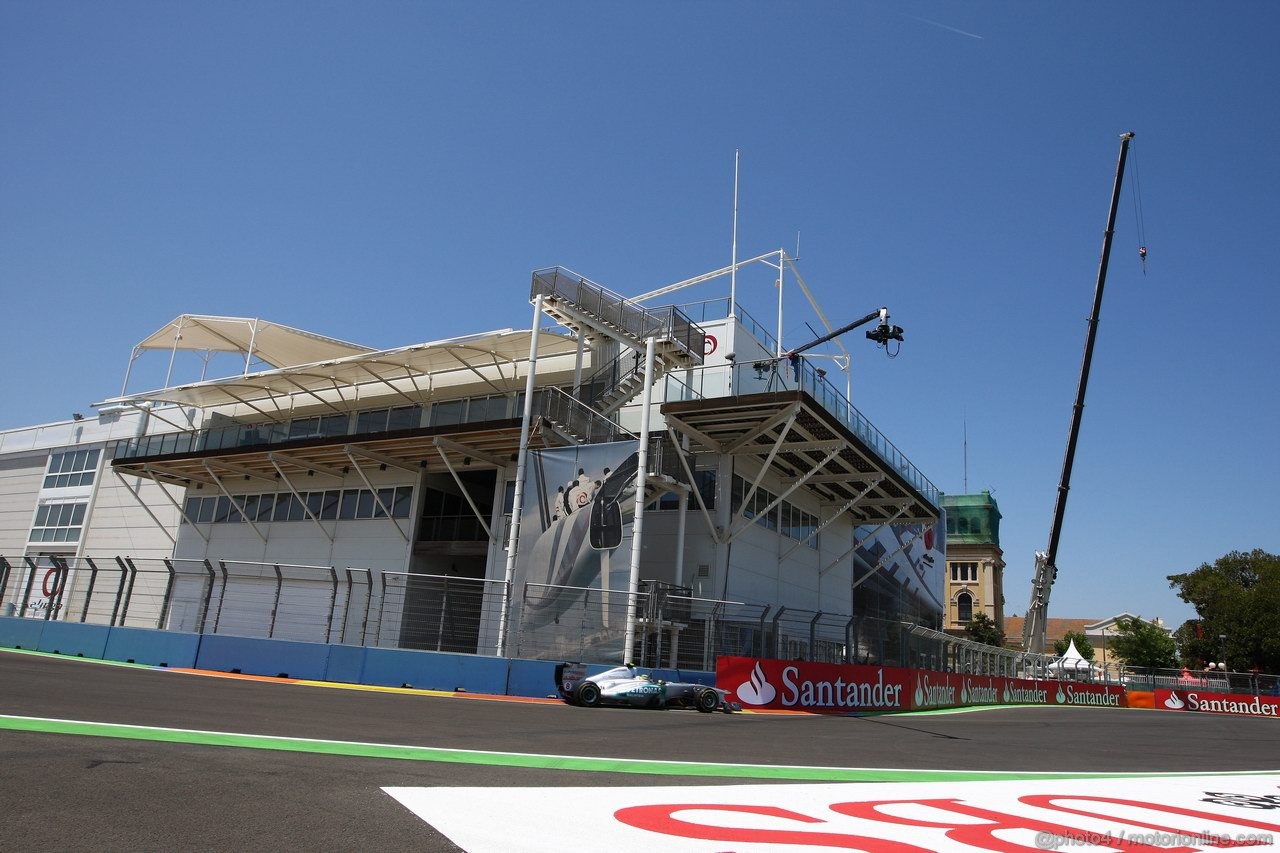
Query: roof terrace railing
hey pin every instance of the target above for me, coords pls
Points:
(779, 375)
(578, 419)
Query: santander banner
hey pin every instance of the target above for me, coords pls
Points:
(1218, 703)
(853, 688)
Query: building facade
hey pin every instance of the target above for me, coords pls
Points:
(502, 492)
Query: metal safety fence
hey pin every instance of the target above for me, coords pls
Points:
(367, 607)
(1204, 681)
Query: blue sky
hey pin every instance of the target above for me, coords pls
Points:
(390, 172)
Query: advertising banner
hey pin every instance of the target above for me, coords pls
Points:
(855, 688)
(1218, 703)
(579, 504)
(817, 687)
(911, 556)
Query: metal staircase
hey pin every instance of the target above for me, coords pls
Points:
(595, 312)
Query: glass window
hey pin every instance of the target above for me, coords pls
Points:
(350, 499)
(492, 408)
(364, 504)
(332, 499)
(71, 468)
(222, 512)
(706, 483)
(316, 505)
(403, 501)
(375, 421)
(58, 522)
(331, 425)
(204, 513)
(304, 428)
(404, 417)
(964, 607)
(447, 413)
(764, 497)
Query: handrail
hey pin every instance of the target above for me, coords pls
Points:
(577, 417)
(746, 380)
(667, 323)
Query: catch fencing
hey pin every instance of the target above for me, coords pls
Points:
(366, 607)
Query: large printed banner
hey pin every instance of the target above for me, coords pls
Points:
(1218, 703)
(579, 505)
(852, 688)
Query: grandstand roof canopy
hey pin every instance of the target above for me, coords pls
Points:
(273, 343)
(410, 371)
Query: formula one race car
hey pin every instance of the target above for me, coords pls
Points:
(625, 685)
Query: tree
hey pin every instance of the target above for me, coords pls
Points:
(1083, 646)
(1237, 598)
(1141, 643)
(983, 629)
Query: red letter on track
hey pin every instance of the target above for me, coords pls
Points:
(659, 818)
(982, 835)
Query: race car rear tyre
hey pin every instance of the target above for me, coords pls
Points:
(589, 694)
(707, 700)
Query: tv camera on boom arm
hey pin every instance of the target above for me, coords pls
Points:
(881, 334)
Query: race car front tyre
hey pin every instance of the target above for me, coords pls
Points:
(589, 694)
(707, 700)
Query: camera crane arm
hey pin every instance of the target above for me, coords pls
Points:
(881, 334)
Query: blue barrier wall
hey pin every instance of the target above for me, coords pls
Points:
(260, 656)
(312, 661)
(346, 664)
(532, 678)
(149, 646)
(435, 670)
(18, 633)
(68, 638)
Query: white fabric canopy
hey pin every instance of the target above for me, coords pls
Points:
(495, 359)
(277, 345)
(1071, 661)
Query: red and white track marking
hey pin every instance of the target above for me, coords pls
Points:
(1183, 813)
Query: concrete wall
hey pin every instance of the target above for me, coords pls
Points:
(20, 479)
(120, 525)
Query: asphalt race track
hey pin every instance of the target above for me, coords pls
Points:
(238, 764)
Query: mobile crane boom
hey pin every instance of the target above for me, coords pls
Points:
(1033, 628)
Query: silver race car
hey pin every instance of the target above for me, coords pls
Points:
(625, 685)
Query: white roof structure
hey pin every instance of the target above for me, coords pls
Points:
(273, 343)
(339, 383)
